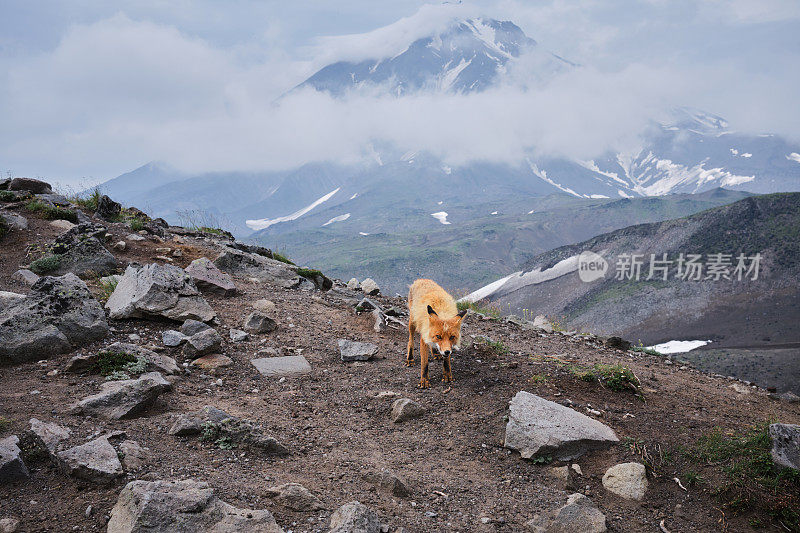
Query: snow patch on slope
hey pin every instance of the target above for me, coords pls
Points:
(517, 280)
(340, 218)
(677, 346)
(441, 216)
(263, 223)
(543, 175)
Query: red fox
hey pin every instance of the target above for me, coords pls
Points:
(432, 313)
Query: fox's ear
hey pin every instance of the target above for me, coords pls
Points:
(462, 313)
(431, 311)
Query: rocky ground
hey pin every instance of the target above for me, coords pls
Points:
(234, 409)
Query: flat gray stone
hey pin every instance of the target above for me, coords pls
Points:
(206, 342)
(173, 338)
(540, 427)
(289, 365)
(133, 456)
(628, 480)
(191, 424)
(191, 327)
(124, 399)
(182, 507)
(86, 258)
(95, 461)
(11, 466)
(257, 322)
(356, 351)
(785, 445)
(238, 335)
(14, 220)
(158, 291)
(257, 266)
(579, 515)
(25, 276)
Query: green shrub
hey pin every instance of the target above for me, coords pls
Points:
(215, 231)
(7, 196)
(43, 265)
(90, 201)
(50, 212)
(615, 377)
(282, 258)
(309, 273)
(107, 287)
(136, 224)
(478, 307)
(5, 423)
(109, 362)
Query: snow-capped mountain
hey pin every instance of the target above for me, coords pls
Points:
(469, 55)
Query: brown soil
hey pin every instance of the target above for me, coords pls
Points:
(337, 430)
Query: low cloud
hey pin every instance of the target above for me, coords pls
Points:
(118, 93)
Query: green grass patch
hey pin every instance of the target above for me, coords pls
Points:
(215, 231)
(107, 287)
(214, 433)
(282, 258)
(479, 307)
(496, 348)
(7, 196)
(644, 349)
(538, 378)
(5, 423)
(117, 365)
(43, 265)
(50, 212)
(746, 477)
(615, 377)
(90, 201)
(136, 224)
(309, 273)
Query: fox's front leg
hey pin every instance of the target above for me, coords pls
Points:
(447, 376)
(423, 355)
(410, 348)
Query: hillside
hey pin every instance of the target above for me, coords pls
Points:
(732, 313)
(288, 450)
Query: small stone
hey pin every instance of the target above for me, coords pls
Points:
(356, 351)
(369, 287)
(579, 515)
(577, 469)
(294, 496)
(49, 434)
(354, 517)
(212, 361)
(628, 480)
(9, 525)
(353, 284)
(95, 461)
(135, 337)
(134, 456)
(134, 237)
(125, 398)
(619, 343)
(258, 322)
(203, 343)
(191, 327)
(238, 335)
(265, 306)
(25, 276)
(289, 365)
(741, 389)
(120, 246)
(62, 224)
(88, 512)
(12, 468)
(173, 338)
(406, 409)
(209, 278)
(388, 482)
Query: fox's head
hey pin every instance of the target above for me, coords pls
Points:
(444, 334)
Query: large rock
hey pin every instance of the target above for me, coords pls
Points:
(354, 517)
(356, 351)
(289, 365)
(406, 409)
(158, 291)
(58, 316)
(294, 496)
(87, 258)
(182, 507)
(11, 466)
(154, 361)
(628, 480)
(49, 434)
(14, 220)
(257, 266)
(209, 278)
(30, 184)
(540, 427)
(124, 399)
(108, 209)
(785, 445)
(579, 515)
(95, 461)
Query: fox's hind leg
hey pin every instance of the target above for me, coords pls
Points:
(410, 348)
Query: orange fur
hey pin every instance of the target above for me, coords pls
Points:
(434, 315)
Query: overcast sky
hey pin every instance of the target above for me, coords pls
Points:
(90, 89)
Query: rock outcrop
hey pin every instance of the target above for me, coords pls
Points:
(257, 266)
(209, 278)
(785, 445)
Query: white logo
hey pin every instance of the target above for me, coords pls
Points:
(591, 266)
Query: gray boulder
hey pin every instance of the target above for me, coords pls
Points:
(87, 258)
(14, 220)
(182, 507)
(354, 517)
(158, 291)
(206, 342)
(785, 445)
(257, 322)
(108, 209)
(405, 409)
(191, 327)
(173, 338)
(356, 351)
(58, 316)
(369, 287)
(30, 184)
(294, 496)
(540, 427)
(95, 461)
(579, 515)
(209, 278)
(154, 361)
(257, 266)
(388, 482)
(11, 466)
(49, 434)
(628, 480)
(124, 399)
